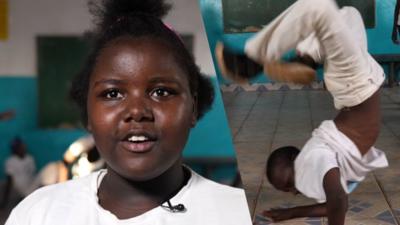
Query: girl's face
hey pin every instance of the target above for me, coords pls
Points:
(140, 109)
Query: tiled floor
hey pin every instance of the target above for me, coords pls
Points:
(262, 121)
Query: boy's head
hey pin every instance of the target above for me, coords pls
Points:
(18, 147)
(280, 168)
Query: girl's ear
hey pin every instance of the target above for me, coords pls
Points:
(194, 112)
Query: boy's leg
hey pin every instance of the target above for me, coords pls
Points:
(350, 73)
(234, 66)
(299, 21)
(312, 48)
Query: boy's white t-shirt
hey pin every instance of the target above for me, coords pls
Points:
(75, 203)
(22, 171)
(329, 148)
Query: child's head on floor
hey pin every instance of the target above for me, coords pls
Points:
(280, 168)
(140, 89)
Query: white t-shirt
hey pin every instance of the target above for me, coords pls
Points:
(75, 203)
(329, 148)
(22, 171)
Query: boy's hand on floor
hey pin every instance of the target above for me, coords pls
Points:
(278, 214)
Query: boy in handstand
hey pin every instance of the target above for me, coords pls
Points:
(340, 151)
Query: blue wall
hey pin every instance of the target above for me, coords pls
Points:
(379, 38)
(211, 136)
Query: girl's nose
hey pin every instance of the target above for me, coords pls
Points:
(138, 109)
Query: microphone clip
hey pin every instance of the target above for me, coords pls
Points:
(180, 208)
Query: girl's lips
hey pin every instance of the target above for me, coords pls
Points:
(138, 147)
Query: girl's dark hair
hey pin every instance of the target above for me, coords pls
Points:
(138, 18)
(16, 143)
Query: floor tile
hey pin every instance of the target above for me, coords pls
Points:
(288, 138)
(393, 168)
(368, 185)
(374, 221)
(272, 198)
(254, 134)
(279, 118)
(366, 205)
(390, 181)
(251, 160)
(260, 220)
(394, 200)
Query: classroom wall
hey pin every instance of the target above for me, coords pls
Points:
(61, 17)
(18, 78)
(379, 38)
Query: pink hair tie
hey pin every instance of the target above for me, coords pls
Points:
(173, 31)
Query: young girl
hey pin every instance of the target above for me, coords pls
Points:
(140, 94)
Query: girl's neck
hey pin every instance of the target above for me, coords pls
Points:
(127, 199)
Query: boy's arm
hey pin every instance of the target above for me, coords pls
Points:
(335, 207)
(316, 210)
(336, 198)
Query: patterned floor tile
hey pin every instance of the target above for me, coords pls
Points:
(299, 142)
(368, 185)
(245, 98)
(296, 143)
(240, 115)
(260, 220)
(394, 200)
(385, 132)
(236, 123)
(251, 200)
(251, 160)
(260, 123)
(384, 221)
(366, 205)
(390, 181)
(294, 130)
(254, 134)
(393, 168)
(388, 141)
(272, 198)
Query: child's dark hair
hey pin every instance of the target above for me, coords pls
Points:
(15, 144)
(282, 157)
(138, 18)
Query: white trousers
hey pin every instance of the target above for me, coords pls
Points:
(311, 46)
(351, 75)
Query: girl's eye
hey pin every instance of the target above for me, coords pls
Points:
(112, 94)
(161, 92)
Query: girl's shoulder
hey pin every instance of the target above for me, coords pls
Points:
(55, 199)
(213, 189)
(207, 198)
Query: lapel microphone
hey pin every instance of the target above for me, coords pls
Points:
(174, 208)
